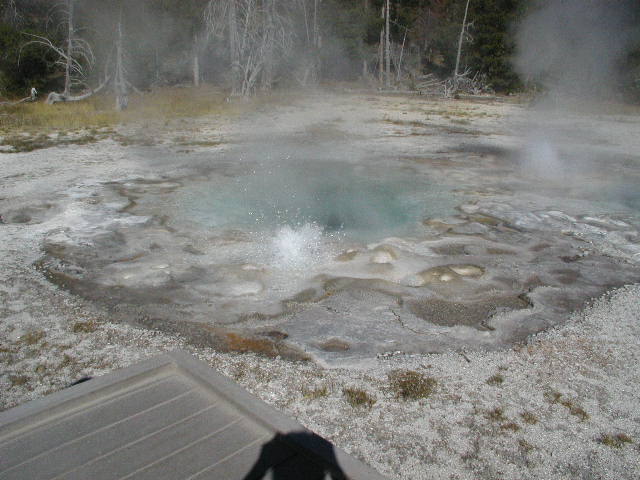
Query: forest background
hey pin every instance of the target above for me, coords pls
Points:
(247, 46)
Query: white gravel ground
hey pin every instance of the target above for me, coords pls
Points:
(564, 406)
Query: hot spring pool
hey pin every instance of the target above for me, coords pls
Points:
(355, 202)
(345, 251)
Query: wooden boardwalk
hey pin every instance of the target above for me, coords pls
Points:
(171, 418)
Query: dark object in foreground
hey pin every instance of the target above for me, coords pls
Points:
(80, 380)
(270, 463)
(170, 417)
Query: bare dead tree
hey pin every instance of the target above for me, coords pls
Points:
(365, 66)
(200, 40)
(387, 46)
(70, 42)
(234, 48)
(9, 12)
(398, 53)
(220, 18)
(119, 81)
(262, 44)
(251, 44)
(460, 39)
(308, 68)
(71, 59)
(268, 19)
(259, 34)
(317, 37)
(75, 57)
(196, 62)
(381, 51)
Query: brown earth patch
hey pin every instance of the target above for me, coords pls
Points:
(473, 314)
(335, 345)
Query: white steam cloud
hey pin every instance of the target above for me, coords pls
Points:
(576, 46)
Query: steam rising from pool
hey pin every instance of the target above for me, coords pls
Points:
(297, 207)
(541, 157)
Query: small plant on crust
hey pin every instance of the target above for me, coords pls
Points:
(528, 417)
(496, 415)
(618, 440)
(357, 397)
(411, 385)
(315, 393)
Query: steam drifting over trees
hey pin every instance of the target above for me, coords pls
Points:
(246, 46)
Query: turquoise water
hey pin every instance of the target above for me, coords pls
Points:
(362, 203)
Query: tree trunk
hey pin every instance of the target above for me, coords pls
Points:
(365, 66)
(268, 26)
(196, 62)
(381, 57)
(196, 70)
(234, 49)
(387, 48)
(119, 82)
(315, 23)
(70, 33)
(464, 25)
(54, 97)
(317, 41)
(399, 66)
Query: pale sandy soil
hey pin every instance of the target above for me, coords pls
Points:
(564, 405)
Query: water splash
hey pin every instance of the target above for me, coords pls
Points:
(294, 248)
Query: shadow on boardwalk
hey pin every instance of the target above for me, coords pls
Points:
(286, 457)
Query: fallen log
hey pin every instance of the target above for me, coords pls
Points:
(30, 98)
(18, 102)
(55, 97)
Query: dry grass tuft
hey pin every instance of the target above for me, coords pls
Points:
(357, 397)
(495, 380)
(528, 417)
(18, 380)
(315, 393)
(241, 344)
(496, 415)
(525, 446)
(84, 327)
(33, 337)
(618, 440)
(411, 385)
(512, 426)
(574, 408)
